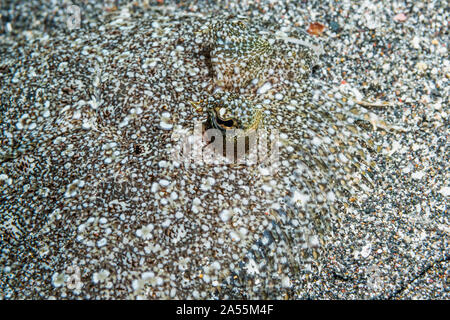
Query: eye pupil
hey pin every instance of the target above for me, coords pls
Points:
(229, 123)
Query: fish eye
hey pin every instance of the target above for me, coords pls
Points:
(224, 123)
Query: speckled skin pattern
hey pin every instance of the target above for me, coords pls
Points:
(89, 185)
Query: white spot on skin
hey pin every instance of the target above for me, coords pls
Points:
(137, 284)
(162, 164)
(164, 182)
(264, 171)
(342, 158)
(76, 115)
(101, 242)
(215, 265)
(155, 187)
(165, 123)
(331, 196)
(225, 215)
(234, 236)
(100, 276)
(243, 231)
(178, 215)
(206, 186)
(145, 232)
(316, 141)
(148, 275)
(365, 251)
(72, 189)
(87, 125)
(300, 198)
(264, 88)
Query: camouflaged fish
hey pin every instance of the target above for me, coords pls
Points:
(102, 209)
